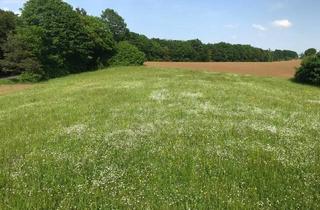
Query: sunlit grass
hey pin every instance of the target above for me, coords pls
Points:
(162, 139)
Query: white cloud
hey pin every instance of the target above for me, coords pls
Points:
(259, 27)
(282, 23)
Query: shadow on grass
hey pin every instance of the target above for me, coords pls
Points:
(293, 80)
(9, 80)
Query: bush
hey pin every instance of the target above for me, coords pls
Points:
(309, 72)
(30, 77)
(127, 55)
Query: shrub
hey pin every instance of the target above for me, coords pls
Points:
(30, 77)
(309, 72)
(127, 55)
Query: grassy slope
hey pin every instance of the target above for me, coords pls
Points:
(138, 137)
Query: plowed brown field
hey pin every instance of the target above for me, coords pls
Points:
(283, 69)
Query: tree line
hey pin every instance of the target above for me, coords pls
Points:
(195, 50)
(51, 39)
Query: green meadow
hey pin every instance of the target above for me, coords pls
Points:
(148, 138)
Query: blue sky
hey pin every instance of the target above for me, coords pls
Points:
(275, 24)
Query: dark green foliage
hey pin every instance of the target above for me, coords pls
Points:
(81, 11)
(127, 55)
(195, 50)
(152, 49)
(8, 21)
(20, 53)
(309, 72)
(284, 55)
(62, 30)
(101, 44)
(311, 51)
(228, 52)
(30, 77)
(116, 24)
(200, 50)
(192, 50)
(69, 39)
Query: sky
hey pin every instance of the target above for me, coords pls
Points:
(269, 24)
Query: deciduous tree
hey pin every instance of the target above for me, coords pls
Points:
(8, 22)
(116, 24)
(309, 52)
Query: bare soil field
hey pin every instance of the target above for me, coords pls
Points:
(283, 69)
(5, 89)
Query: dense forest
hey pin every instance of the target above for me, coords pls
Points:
(195, 50)
(50, 39)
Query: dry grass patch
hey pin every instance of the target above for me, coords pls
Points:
(6, 89)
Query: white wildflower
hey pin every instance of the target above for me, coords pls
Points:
(191, 94)
(159, 95)
(314, 101)
(77, 129)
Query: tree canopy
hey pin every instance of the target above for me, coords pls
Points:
(195, 50)
(70, 40)
(116, 24)
(309, 52)
(8, 22)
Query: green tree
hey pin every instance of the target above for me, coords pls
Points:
(20, 54)
(8, 21)
(200, 52)
(68, 46)
(101, 45)
(127, 55)
(309, 52)
(81, 11)
(284, 55)
(116, 24)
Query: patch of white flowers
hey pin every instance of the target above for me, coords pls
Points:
(77, 129)
(159, 95)
(258, 126)
(191, 94)
(130, 84)
(314, 101)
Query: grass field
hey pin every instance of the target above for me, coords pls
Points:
(150, 138)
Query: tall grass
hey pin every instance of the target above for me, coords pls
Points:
(160, 139)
